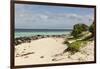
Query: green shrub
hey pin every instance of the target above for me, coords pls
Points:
(66, 41)
(75, 46)
(78, 29)
(92, 29)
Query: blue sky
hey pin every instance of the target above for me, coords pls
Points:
(51, 17)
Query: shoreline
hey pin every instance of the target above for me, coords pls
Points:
(21, 40)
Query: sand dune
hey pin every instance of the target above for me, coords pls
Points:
(49, 50)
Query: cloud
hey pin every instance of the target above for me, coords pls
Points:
(33, 20)
(27, 16)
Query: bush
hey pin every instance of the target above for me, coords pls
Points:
(78, 29)
(92, 29)
(75, 46)
(66, 41)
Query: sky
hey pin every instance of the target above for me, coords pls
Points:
(29, 16)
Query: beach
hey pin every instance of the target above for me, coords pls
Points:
(53, 34)
(49, 50)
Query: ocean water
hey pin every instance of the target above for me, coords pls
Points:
(32, 32)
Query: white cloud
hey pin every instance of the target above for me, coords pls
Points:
(50, 20)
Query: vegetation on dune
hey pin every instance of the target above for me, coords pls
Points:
(92, 29)
(81, 34)
(66, 41)
(78, 29)
(75, 46)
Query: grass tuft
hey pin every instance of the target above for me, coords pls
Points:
(75, 46)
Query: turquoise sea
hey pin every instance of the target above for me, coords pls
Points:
(32, 32)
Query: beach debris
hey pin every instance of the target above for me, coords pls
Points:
(42, 57)
(24, 49)
(18, 55)
(60, 54)
(26, 57)
(54, 59)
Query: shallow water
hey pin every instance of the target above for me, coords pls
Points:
(30, 32)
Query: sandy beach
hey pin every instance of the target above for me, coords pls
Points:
(50, 50)
(53, 34)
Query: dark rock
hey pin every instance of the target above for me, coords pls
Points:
(54, 59)
(42, 57)
(20, 40)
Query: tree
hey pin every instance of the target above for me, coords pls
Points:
(78, 29)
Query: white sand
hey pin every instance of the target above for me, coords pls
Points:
(49, 50)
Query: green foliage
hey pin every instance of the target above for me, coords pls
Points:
(88, 38)
(75, 46)
(78, 29)
(82, 31)
(66, 41)
(92, 29)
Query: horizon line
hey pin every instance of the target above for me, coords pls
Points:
(31, 28)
